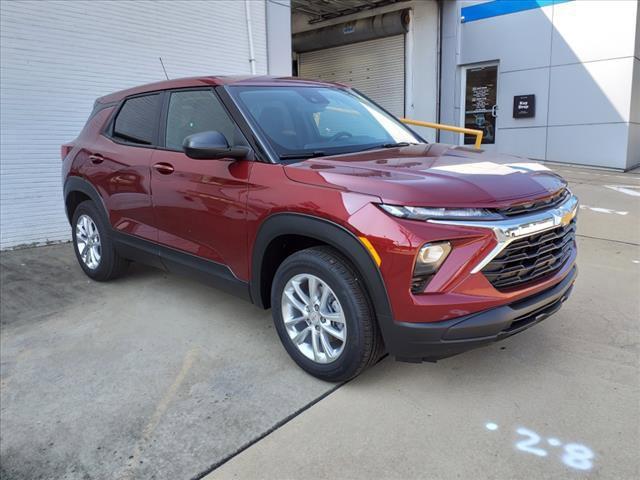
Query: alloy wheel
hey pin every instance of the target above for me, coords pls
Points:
(88, 242)
(314, 318)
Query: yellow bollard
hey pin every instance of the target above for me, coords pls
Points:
(450, 128)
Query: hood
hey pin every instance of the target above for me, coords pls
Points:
(434, 175)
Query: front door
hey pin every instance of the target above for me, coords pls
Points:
(480, 103)
(200, 205)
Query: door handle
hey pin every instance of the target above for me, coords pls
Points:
(494, 110)
(96, 158)
(163, 168)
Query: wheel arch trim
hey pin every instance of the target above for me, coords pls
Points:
(79, 184)
(337, 236)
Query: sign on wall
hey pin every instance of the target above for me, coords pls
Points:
(524, 106)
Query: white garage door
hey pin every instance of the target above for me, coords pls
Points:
(58, 57)
(375, 67)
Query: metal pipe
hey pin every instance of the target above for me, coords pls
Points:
(252, 59)
(409, 106)
(450, 128)
(440, 5)
(378, 26)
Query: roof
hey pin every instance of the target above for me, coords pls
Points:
(211, 81)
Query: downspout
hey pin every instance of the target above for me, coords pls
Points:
(252, 58)
(409, 104)
(439, 77)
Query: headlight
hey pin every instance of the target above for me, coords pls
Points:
(425, 213)
(428, 261)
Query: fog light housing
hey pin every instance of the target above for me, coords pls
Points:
(428, 261)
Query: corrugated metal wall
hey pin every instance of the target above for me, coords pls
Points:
(58, 56)
(375, 67)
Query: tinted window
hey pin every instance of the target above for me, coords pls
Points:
(198, 111)
(136, 122)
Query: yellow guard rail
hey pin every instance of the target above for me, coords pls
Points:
(450, 128)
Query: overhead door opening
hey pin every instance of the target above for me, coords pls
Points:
(374, 67)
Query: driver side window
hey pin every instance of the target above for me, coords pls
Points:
(195, 111)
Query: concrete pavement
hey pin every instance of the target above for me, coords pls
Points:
(573, 378)
(561, 400)
(149, 376)
(156, 376)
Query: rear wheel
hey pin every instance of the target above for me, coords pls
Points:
(323, 316)
(93, 244)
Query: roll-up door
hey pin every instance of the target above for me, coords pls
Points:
(374, 67)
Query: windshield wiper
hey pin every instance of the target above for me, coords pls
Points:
(320, 153)
(302, 155)
(388, 145)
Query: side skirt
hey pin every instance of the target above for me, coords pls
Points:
(175, 261)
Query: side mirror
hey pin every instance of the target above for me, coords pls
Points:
(210, 146)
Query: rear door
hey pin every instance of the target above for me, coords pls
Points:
(200, 205)
(118, 164)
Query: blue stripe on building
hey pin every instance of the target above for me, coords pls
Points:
(503, 7)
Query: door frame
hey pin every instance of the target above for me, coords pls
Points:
(463, 96)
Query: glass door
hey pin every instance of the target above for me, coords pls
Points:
(480, 102)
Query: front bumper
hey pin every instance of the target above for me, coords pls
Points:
(415, 342)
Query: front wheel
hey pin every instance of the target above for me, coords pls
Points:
(323, 316)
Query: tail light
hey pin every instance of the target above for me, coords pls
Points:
(65, 149)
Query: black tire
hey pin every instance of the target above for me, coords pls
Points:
(363, 345)
(111, 265)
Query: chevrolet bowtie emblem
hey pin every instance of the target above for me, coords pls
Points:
(564, 218)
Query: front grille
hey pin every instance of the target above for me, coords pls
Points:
(530, 207)
(532, 257)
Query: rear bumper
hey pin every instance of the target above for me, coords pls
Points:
(433, 341)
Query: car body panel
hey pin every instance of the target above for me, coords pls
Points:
(122, 178)
(200, 208)
(272, 192)
(425, 175)
(454, 291)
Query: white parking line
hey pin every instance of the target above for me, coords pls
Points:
(627, 178)
(626, 189)
(603, 210)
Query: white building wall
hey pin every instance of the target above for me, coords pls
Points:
(58, 56)
(633, 151)
(579, 58)
(279, 37)
(422, 57)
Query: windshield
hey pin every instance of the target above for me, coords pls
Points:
(302, 122)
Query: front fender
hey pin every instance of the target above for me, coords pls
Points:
(332, 234)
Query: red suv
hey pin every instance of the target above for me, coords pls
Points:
(310, 199)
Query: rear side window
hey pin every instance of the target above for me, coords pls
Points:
(195, 111)
(136, 122)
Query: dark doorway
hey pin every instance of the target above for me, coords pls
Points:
(480, 102)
